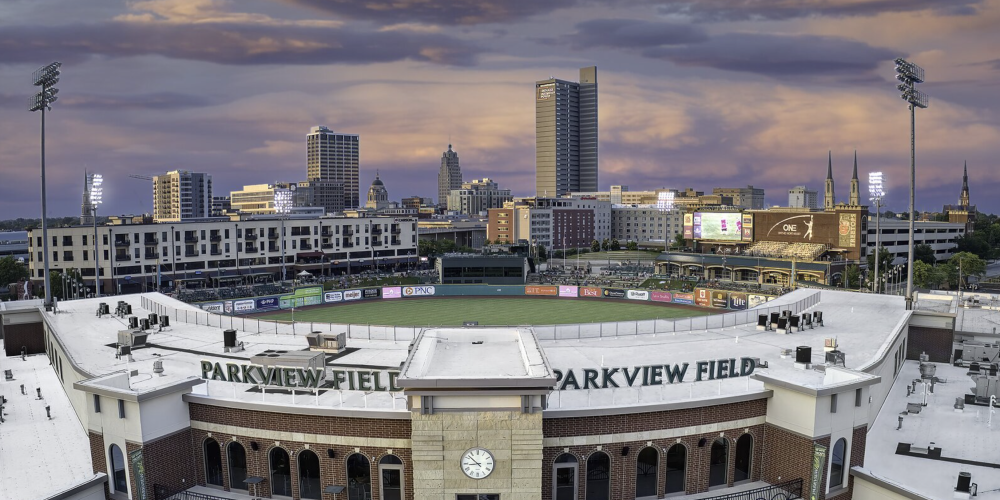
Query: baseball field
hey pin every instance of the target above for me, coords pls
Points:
(487, 311)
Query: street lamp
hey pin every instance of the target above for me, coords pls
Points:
(876, 192)
(45, 77)
(909, 75)
(96, 182)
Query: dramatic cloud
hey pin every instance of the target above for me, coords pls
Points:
(631, 33)
(748, 10)
(778, 56)
(446, 12)
(241, 44)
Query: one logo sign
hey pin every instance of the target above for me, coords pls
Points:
(244, 305)
(614, 293)
(333, 296)
(638, 295)
(391, 292)
(590, 291)
(567, 291)
(352, 295)
(661, 296)
(418, 291)
(214, 307)
(267, 303)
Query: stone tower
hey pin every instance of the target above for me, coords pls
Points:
(829, 199)
(855, 192)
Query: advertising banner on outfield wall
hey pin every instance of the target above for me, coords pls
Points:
(661, 296)
(306, 296)
(754, 300)
(637, 295)
(212, 307)
(392, 292)
(737, 301)
(417, 291)
(243, 306)
(541, 290)
(614, 293)
(267, 303)
(590, 291)
(720, 300)
(567, 291)
(683, 298)
(703, 297)
(352, 294)
(228, 306)
(329, 297)
(371, 293)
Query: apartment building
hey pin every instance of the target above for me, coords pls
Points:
(645, 223)
(478, 196)
(181, 195)
(554, 223)
(135, 257)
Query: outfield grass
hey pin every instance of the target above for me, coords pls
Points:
(487, 311)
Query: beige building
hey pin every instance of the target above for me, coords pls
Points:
(181, 195)
(645, 223)
(478, 196)
(749, 198)
(277, 198)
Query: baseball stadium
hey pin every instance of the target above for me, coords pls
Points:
(481, 392)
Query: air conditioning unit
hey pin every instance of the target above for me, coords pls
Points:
(132, 338)
(327, 342)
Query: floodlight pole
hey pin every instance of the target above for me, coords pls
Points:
(45, 224)
(97, 257)
(913, 182)
(878, 239)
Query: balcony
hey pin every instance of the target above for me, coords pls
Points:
(252, 249)
(250, 236)
(326, 232)
(327, 246)
(377, 242)
(397, 230)
(215, 251)
(151, 255)
(272, 235)
(122, 257)
(215, 238)
(305, 246)
(347, 244)
(395, 241)
(122, 243)
(273, 248)
(377, 230)
(190, 253)
(348, 232)
(190, 238)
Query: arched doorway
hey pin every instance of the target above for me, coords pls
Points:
(645, 473)
(213, 462)
(718, 472)
(309, 484)
(744, 458)
(237, 456)
(599, 476)
(118, 476)
(390, 468)
(359, 477)
(281, 472)
(564, 477)
(676, 468)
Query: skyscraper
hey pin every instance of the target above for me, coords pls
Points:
(449, 177)
(181, 195)
(566, 135)
(333, 158)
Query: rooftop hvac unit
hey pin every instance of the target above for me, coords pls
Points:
(803, 354)
(229, 338)
(164, 321)
(290, 359)
(131, 338)
(133, 322)
(152, 319)
(144, 324)
(836, 358)
(327, 342)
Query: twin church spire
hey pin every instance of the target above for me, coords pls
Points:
(830, 198)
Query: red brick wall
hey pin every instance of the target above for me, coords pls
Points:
(858, 443)
(638, 422)
(29, 335)
(332, 426)
(791, 457)
(163, 466)
(99, 459)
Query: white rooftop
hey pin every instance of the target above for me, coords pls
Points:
(39, 456)
(965, 435)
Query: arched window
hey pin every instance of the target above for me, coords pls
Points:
(837, 463)
(599, 476)
(390, 468)
(281, 472)
(676, 468)
(359, 477)
(564, 477)
(237, 456)
(718, 464)
(309, 485)
(213, 462)
(645, 473)
(744, 458)
(118, 469)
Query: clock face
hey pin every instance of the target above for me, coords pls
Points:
(477, 463)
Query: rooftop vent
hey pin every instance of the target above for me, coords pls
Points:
(327, 342)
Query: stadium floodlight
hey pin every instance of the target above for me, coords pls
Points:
(665, 203)
(877, 192)
(96, 198)
(909, 75)
(45, 77)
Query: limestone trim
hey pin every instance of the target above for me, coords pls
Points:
(280, 436)
(652, 435)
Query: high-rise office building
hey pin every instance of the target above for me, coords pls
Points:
(181, 195)
(478, 196)
(333, 158)
(566, 135)
(450, 175)
(802, 197)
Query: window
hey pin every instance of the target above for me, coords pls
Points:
(281, 472)
(837, 464)
(645, 473)
(97, 404)
(390, 468)
(599, 476)
(564, 477)
(676, 468)
(744, 458)
(121, 408)
(359, 477)
(718, 463)
(857, 397)
(213, 462)
(478, 496)
(309, 485)
(237, 456)
(833, 403)
(119, 481)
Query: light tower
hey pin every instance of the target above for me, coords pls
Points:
(96, 182)
(909, 75)
(876, 192)
(665, 204)
(45, 77)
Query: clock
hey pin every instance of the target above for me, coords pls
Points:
(477, 463)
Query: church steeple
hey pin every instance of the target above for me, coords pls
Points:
(964, 198)
(855, 190)
(829, 197)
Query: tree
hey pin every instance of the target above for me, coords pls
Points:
(927, 275)
(12, 271)
(632, 246)
(967, 264)
(540, 253)
(595, 246)
(975, 243)
(852, 275)
(679, 241)
(615, 245)
(606, 244)
(885, 259)
(924, 253)
(56, 281)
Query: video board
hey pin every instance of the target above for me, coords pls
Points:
(722, 226)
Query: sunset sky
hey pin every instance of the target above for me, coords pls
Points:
(696, 93)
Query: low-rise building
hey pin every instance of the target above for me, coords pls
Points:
(645, 223)
(553, 223)
(749, 198)
(477, 196)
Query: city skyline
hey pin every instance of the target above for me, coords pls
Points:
(688, 98)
